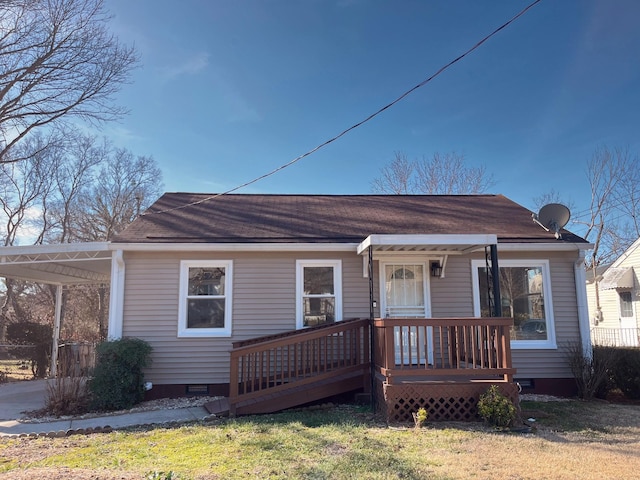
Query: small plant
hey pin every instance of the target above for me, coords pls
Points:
(67, 396)
(118, 381)
(155, 475)
(495, 408)
(420, 417)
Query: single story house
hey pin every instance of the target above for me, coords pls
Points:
(613, 292)
(397, 290)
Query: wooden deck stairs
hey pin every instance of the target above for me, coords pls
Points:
(281, 371)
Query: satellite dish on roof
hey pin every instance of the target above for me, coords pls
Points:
(552, 217)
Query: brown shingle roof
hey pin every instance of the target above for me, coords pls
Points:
(330, 218)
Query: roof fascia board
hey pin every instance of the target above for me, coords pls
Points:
(54, 248)
(234, 247)
(543, 247)
(340, 247)
(436, 239)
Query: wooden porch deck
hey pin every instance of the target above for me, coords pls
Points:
(442, 365)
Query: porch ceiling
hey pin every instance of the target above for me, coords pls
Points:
(439, 244)
(66, 264)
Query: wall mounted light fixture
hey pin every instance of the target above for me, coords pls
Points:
(436, 269)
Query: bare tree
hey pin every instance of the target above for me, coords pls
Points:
(57, 61)
(23, 185)
(396, 177)
(611, 221)
(76, 188)
(448, 175)
(73, 178)
(627, 200)
(124, 187)
(442, 174)
(552, 196)
(608, 173)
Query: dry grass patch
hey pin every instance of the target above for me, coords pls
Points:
(12, 370)
(574, 440)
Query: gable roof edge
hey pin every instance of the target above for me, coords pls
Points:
(626, 253)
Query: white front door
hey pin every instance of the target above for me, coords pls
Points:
(406, 297)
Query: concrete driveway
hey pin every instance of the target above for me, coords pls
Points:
(19, 397)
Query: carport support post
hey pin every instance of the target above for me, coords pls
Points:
(53, 371)
(372, 338)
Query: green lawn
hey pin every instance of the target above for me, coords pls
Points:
(573, 440)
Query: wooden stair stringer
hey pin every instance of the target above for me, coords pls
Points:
(272, 402)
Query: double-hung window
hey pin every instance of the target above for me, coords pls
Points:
(525, 290)
(318, 292)
(205, 298)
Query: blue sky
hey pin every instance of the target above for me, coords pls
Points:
(229, 90)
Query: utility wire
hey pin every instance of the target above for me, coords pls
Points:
(360, 123)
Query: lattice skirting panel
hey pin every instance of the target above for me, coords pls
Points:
(442, 401)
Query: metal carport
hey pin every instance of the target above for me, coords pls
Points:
(60, 265)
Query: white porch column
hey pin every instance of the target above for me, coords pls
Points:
(581, 297)
(116, 301)
(53, 371)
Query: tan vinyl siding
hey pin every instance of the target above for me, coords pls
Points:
(264, 292)
(452, 296)
(263, 303)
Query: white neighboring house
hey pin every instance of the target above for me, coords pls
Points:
(617, 322)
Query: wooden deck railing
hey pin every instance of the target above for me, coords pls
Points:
(438, 348)
(274, 364)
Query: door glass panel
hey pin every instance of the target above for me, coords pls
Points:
(404, 285)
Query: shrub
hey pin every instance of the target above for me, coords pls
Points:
(626, 372)
(118, 381)
(495, 408)
(605, 357)
(67, 396)
(591, 373)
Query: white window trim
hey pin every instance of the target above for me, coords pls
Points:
(337, 286)
(550, 342)
(183, 331)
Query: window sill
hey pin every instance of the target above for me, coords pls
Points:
(204, 333)
(533, 345)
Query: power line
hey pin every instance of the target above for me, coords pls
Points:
(360, 123)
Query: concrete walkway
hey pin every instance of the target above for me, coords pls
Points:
(20, 397)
